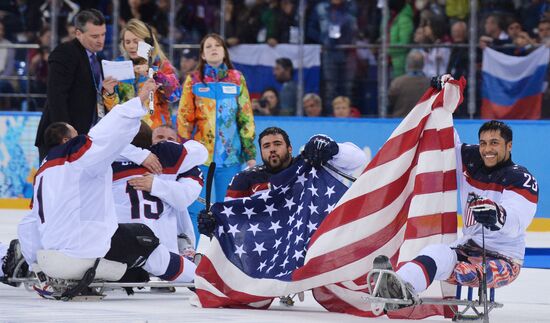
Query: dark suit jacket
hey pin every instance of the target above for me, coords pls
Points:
(71, 90)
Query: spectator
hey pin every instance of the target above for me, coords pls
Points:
(269, 21)
(333, 23)
(459, 61)
(283, 72)
(24, 20)
(401, 29)
(544, 31)
(231, 23)
(215, 110)
(406, 90)
(268, 105)
(195, 19)
(66, 11)
(514, 28)
(436, 59)
(250, 22)
(494, 32)
(188, 63)
(39, 66)
(74, 78)
(165, 75)
(160, 19)
(341, 106)
(286, 28)
(7, 65)
(71, 33)
(312, 105)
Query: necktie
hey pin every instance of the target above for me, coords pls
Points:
(95, 69)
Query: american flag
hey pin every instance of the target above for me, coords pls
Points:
(405, 199)
(266, 236)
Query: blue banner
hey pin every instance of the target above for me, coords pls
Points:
(19, 157)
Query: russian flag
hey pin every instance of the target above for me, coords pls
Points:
(512, 86)
(256, 62)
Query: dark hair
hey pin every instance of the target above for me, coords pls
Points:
(203, 62)
(285, 63)
(144, 137)
(499, 20)
(272, 89)
(493, 125)
(55, 133)
(93, 16)
(274, 131)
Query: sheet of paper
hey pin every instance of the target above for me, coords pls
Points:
(144, 49)
(119, 70)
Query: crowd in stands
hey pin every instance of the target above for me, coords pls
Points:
(350, 75)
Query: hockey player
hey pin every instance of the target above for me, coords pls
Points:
(159, 200)
(186, 233)
(73, 210)
(496, 194)
(276, 152)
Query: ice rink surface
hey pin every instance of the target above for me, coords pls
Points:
(526, 300)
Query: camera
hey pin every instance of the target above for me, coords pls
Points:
(263, 103)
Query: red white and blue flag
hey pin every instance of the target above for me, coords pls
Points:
(405, 199)
(512, 86)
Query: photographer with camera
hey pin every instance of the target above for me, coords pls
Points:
(268, 104)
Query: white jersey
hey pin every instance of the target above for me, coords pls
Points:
(72, 208)
(172, 191)
(510, 186)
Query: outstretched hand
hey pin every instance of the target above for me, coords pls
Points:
(147, 87)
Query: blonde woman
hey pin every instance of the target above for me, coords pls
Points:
(115, 92)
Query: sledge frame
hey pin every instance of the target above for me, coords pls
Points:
(470, 312)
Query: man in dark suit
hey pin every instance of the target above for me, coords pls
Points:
(74, 78)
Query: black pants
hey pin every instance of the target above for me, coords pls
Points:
(132, 244)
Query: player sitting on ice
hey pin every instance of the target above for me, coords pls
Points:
(12, 263)
(72, 228)
(496, 194)
(157, 200)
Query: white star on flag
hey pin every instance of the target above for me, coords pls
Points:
(313, 190)
(298, 255)
(298, 224)
(330, 191)
(259, 248)
(301, 179)
(233, 230)
(270, 209)
(289, 203)
(312, 208)
(313, 172)
(330, 207)
(262, 265)
(249, 212)
(275, 226)
(311, 226)
(254, 228)
(264, 196)
(240, 250)
(227, 211)
(277, 243)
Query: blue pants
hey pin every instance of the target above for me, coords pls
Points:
(222, 178)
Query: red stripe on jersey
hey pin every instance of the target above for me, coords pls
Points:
(129, 172)
(196, 178)
(237, 194)
(260, 187)
(70, 158)
(174, 169)
(180, 270)
(483, 186)
(533, 198)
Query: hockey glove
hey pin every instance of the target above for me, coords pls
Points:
(206, 223)
(437, 82)
(319, 150)
(488, 213)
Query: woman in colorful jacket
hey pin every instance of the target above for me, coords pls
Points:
(215, 110)
(115, 92)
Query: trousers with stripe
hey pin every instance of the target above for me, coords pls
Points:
(461, 265)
